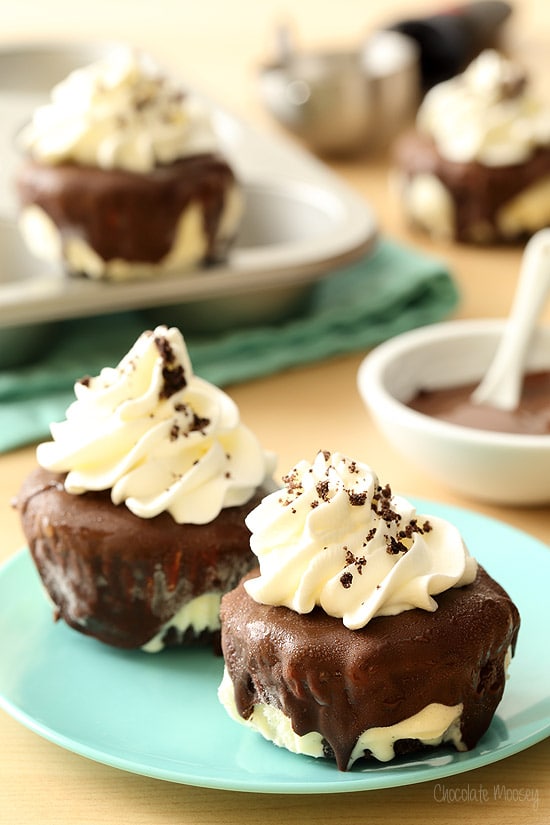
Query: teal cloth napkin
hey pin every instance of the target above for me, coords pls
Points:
(392, 290)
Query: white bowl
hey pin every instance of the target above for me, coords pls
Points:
(502, 468)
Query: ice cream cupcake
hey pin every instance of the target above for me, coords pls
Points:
(135, 515)
(477, 167)
(368, 631)
(123, 176)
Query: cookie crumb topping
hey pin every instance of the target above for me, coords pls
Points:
(346, 579)
(354, 560)
(173, 376)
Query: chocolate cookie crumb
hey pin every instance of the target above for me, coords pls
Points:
(346, 579)
(393, 546)
(322, 490)
(199, 424)
(174, 381)
(165, 349)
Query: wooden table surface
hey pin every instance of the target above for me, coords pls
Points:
(219, 45)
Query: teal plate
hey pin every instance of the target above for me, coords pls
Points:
(159, 716)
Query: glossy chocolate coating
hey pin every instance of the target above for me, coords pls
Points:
(478, 191)
(453, 404)
(119, 577)
(127, 215)
(340, 682)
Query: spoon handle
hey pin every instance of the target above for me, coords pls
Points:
(501, 385)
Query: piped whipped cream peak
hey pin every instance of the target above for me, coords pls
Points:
(160, 438)
(121, 112)
(334, 537)
(489, 113)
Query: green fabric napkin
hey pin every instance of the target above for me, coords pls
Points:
(390, 291)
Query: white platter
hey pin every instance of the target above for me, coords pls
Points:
(301, 221)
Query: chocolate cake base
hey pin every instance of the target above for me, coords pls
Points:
(478, 192)
(121, 578)
(340, 682)
(127, 215)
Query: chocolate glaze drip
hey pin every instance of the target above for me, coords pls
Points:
(341, 682)
(532, 417)
(127, 215)
(478, 191)
(119, 577)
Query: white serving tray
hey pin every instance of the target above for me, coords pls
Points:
(301, 221)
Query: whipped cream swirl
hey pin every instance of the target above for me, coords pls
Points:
(489, 114)
(156, 435)
(120, 112)
(334, 537)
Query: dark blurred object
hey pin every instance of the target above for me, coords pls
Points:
(449, 41)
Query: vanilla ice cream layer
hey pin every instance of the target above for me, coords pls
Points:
(428, 203)
(433, 725)
(200, 614)
(188, 250)
(527, 212)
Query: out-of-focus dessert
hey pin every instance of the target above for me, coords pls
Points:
(135, 516)
(477, 167)
(122, 175)
(369, 630)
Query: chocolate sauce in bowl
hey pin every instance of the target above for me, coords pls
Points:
(453, 404)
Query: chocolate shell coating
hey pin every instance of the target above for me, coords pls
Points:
(340, 682)
(128, 215)
(478, 191)
(119, 577)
